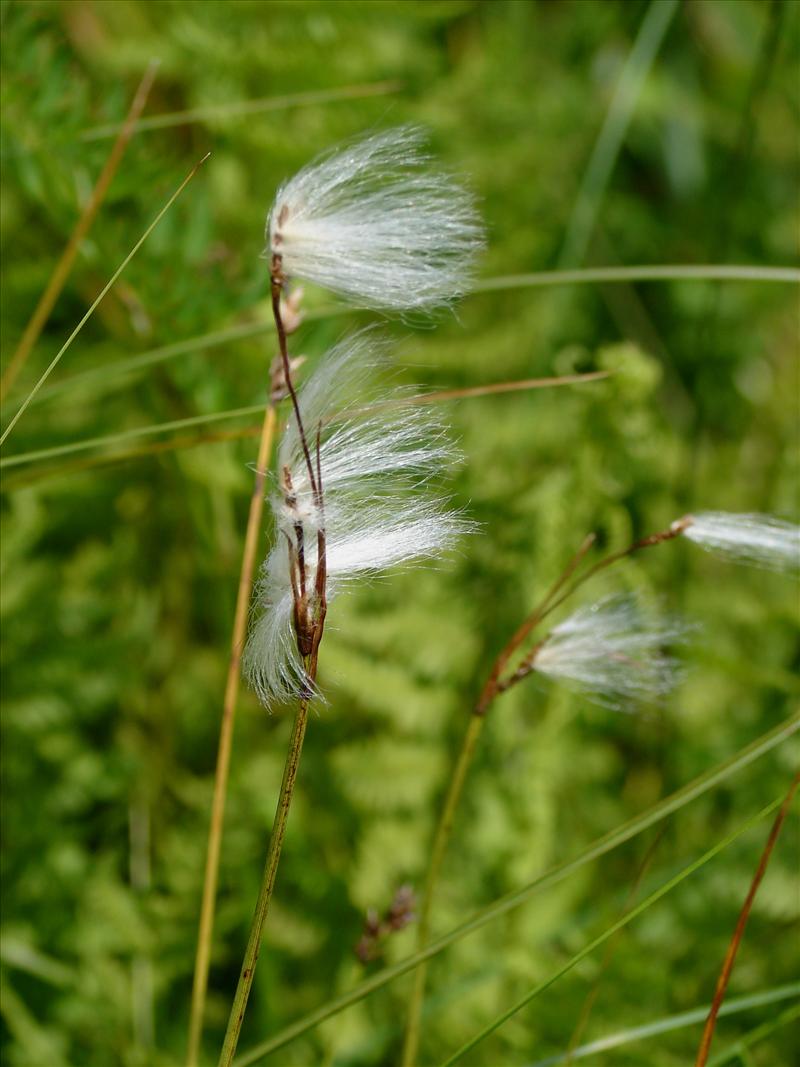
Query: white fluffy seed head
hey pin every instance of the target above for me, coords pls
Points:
(761, 540)
(372, 222)
(380, 506)
(610, 652)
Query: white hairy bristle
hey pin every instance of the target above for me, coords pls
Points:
(372, 222)
(378, 510)
(610, 651)
(757, 539)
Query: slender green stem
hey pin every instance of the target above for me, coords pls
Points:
(638, 65)
(247, 107)
(763, 999)
(267, 884)
(738, 1050)
(56, 358)
(623, 921)
(493, 688)
(647, 272)
(474, 728)
(206, 926)
(601, 847)
(455, 788)
(104, 375)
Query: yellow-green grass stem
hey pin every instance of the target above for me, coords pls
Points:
(206, 927)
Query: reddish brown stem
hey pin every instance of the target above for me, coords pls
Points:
(497, 685)
(276, 287)
(744, 915)
(491, 688)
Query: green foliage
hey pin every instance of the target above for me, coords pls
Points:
(119, 580)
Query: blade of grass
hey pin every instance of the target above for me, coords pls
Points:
(654, 815)
(674, 1022)
(656, 272)
(248, 107)
(744, 915)
(543, 279)
(255, 409)
(102, 294)
(740, 1047)
(128, 435)
(173, 444)
(64, 266)
(455, 788)
(605, 963)
(648, 902)
(104, 375)
(132, 365)
(206, 928)
(637, 66)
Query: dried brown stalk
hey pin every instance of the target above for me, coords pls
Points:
(61, 271)
(744, 915)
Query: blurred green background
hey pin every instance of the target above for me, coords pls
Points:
(120, 561)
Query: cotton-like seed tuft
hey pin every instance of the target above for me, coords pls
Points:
(609, 651)
(377, 457)
(372, 222)
(761, 540)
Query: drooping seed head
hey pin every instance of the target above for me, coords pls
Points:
(377, 456)
(610, 651)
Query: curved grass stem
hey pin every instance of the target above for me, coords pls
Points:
(206, 929)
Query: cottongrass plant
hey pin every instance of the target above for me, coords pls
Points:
(760, 540)
(373, 223)
(608, 651)
(376, 455)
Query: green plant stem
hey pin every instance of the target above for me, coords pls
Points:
(56, 358)
(267, 884)
(602, 938)
(474, 728)
(454, 791)
(247, 107)
(738, 1050)
(471, 392)
(104, 375)
(638, 64)
(206, 926)
(493, 688)
(675, 1022)
(600, 847)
